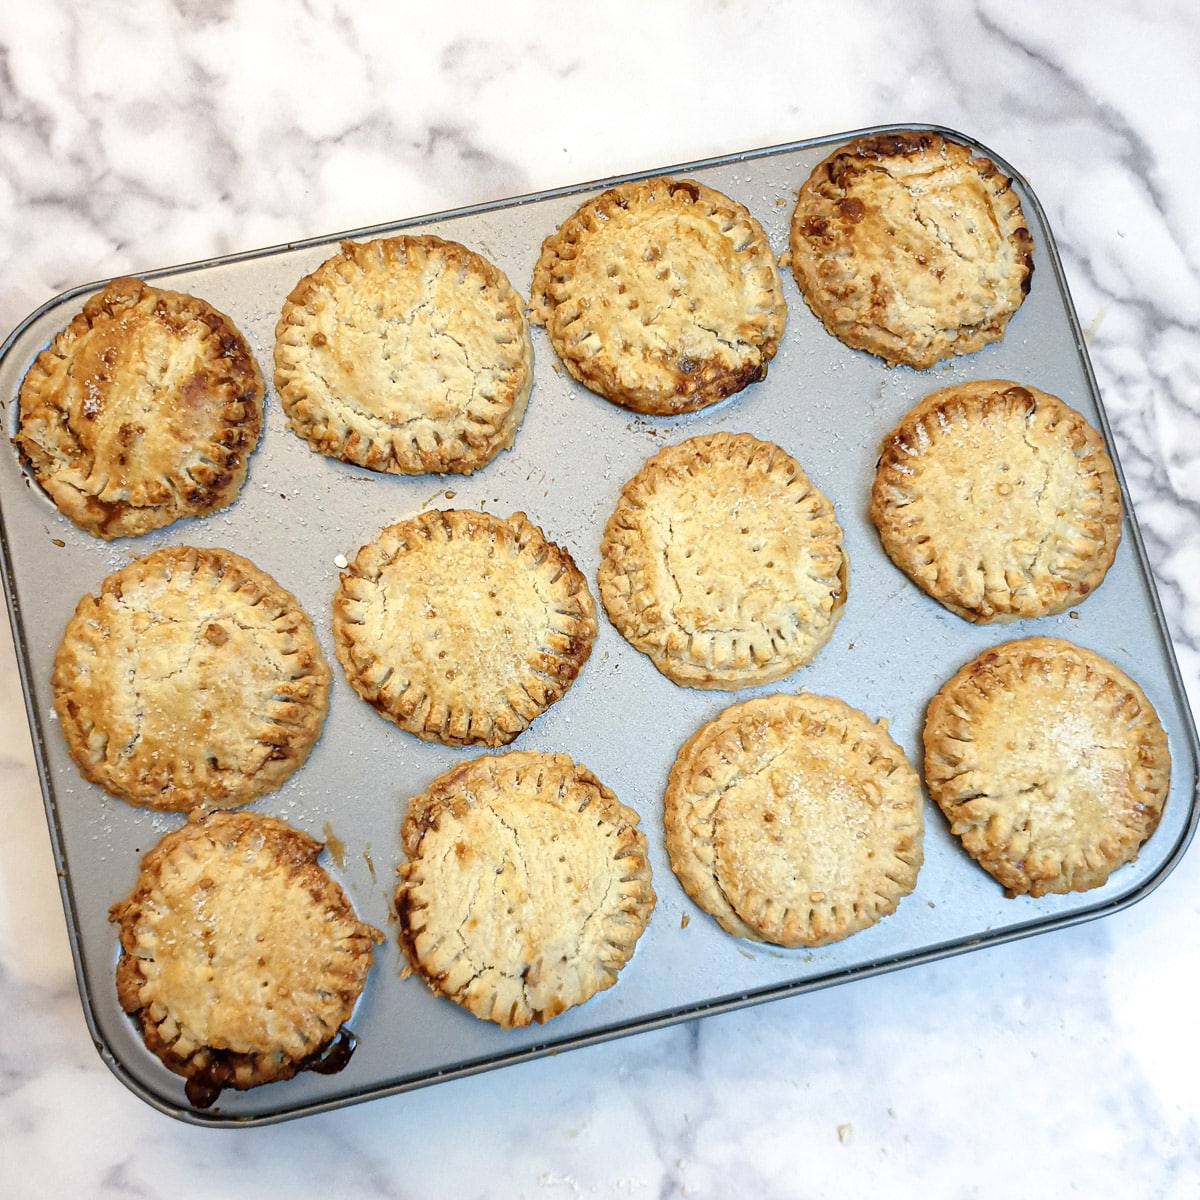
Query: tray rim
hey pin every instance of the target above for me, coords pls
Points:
(833, 977)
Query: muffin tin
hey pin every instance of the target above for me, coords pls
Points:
(300, 517)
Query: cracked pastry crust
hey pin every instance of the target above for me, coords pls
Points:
(998, 500)
(526, 886)
(661, 295)
(191, 680)
(240, 957)
(1049, 762)
(145, 409)
(795, 820)
(723, 563)
(462, 627)
(407, 355)
(911, 247)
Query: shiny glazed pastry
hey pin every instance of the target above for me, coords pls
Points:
(661, 295)
(910, 246)
(240, 957)
(191, 680)
(525, 888)
(145, 409)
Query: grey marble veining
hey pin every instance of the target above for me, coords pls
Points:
(138, 136)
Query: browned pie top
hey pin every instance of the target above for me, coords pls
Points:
(526, 886)
(241, 958)
(462, 627)
(794, 819)
(192, 679)
(661, 295)
(143, 410)
(911, 246)
(998, 500)
(723, 563)
(408, 354)
(1049, 762)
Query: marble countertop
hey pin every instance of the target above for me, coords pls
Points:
(138, 136)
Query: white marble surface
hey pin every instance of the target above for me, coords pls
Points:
(141, 135)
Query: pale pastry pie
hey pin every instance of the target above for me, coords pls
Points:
(407, 355)
(998, 500)
(1049, 762)
(145, 409)
(462, 627)
(795, 820)
(723, 563)
(241, 959)
(192, 679)
(525, 888)
(661, 295)
(910, 246)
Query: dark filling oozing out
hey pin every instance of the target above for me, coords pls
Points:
(205, 1087)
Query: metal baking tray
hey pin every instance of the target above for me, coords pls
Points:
(300, 513)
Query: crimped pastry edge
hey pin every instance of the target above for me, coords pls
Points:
(300, 703)
(917, 348)
(947, 727)
(498, 779)
(213, 474)
(545, 673)
(914, 553)
(691, 384)
(632, 613)
(341, 428)
(209, 1069)
(701, 760)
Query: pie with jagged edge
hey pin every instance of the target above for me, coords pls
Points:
(144, 409)
(795, 820)
(525, 888)
(462, 627)
(192, 679)
(723, 563)
(407, 355)
(1049, 763)
(241, 958)
(662, 295)
(998, 500)
(910, 246)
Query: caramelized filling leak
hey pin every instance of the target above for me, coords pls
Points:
(204, 1088)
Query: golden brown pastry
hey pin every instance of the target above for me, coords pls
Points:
(1049, 762)
(191, 680)
(145, 409)
(661, 295)
(998, 500)
(462, 627)
(408, 354)
(526, 886)
(795, 820)
(723, 563)
(241, 958)
(910, 246)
